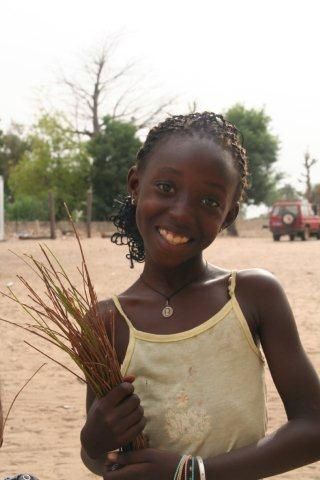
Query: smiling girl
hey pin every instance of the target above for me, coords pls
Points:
(190, 335)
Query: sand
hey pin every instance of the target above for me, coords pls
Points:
(42, 434)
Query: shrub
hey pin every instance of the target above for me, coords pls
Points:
(27, 208)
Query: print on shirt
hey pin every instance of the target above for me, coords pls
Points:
(181, 420)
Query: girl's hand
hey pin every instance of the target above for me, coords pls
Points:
(148, 464)
(113, 421)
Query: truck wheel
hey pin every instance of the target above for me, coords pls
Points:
(276, 237)
(305, 235)
(292, 237)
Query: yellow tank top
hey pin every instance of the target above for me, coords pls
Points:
(203, 389)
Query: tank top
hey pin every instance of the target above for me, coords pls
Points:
(203, 390)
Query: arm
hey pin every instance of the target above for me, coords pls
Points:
(296, 443)
(95, 465)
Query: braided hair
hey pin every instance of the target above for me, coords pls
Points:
(203, 125)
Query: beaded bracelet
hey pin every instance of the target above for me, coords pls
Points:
(186, 468)
(192, 469)
(189, 473)
(201, 468)
(179, 470)
(187, 465)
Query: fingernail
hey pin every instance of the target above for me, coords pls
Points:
(112, 456)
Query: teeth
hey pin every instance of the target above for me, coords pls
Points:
(172, 238)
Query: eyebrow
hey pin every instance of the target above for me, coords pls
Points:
(216, 185)
(170, 170)
(176, 172)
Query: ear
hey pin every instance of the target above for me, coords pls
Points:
(231, 216)
(133, 182)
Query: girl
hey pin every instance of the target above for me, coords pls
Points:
(190, 332)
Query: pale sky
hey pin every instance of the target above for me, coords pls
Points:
(261, 53)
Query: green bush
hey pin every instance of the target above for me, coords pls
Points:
(27, 208)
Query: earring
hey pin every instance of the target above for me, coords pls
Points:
(133, 202)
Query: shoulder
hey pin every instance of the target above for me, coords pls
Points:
(258, 285)
(262, 298)
(257, 278)
(106, 308)
(115, 325)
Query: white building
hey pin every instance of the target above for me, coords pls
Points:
(1, 209)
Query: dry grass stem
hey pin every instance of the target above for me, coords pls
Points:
(15, 398)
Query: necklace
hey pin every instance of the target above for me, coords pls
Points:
(167, 310)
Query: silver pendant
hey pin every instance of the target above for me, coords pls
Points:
(167, 311)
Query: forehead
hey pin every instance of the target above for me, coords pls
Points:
(194, 155)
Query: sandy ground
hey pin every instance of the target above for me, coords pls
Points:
(42, 434)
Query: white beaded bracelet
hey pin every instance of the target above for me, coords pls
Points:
(201, 468)
(178, 473)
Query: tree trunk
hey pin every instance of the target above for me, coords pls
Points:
(52, 215)
(232, 230)
(89, 212)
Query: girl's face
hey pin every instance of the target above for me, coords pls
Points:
(184, 195)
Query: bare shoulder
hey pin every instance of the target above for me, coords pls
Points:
(106, 311)
(257, 279)
(106, 308)
(113, 319)
(270, 309)
(262, 290)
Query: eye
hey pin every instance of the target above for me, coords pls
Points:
(210, 202)
(165, 187)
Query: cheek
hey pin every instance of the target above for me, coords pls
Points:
(144, 214)
(209, 228)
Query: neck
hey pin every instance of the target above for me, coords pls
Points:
(169, 279)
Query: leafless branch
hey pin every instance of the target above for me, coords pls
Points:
(101, 90)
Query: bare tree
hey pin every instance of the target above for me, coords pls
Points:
(103, 90)
(308, 164)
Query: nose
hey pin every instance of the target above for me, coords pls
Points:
(182, 211)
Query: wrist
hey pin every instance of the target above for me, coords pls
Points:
(93, 449)
(190, 468)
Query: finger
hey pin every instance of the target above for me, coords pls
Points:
(127, 422)
(126, 407)
(133, 432)
(129, 378)
(129, 458)
(118, 394)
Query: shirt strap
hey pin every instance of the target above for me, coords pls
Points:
(232, 283)
(121, 311)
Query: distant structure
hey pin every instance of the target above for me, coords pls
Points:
(1, 209)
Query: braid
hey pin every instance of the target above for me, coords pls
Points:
(127, 231)
(203, 125)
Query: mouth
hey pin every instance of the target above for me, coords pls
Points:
(173, 238)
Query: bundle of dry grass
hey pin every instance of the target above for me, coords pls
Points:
(69, 318)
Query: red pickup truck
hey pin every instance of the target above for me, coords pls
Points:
(295, 218)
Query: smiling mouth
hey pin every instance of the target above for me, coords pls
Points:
(172, 238)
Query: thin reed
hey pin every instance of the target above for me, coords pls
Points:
(69, 318)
